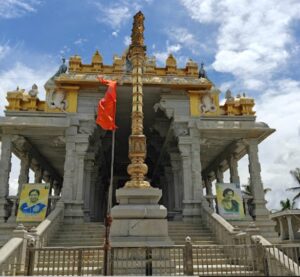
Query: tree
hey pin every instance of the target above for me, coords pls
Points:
(296, 174)
(286, 205)
(247, 189)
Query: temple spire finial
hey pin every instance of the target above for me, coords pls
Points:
(137, 34)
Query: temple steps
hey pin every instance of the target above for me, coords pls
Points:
(6, 232)
(178, 231)
(84, 234)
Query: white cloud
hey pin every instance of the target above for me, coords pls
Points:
(17, 8)
(116, 14)
(161, 56)
(114, 34)
(80, 41)
(255, 44)
(185, 38)
(127, 40)
(4, 50)
(23, 76)
(254, 37)
(280, 153)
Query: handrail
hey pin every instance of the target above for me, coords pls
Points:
(10, 253)
(278, 256)
(46, 229)
(223, 230)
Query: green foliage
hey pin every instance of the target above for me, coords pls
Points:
(286, 205)
(296, 174)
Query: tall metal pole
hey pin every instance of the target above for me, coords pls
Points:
(137, 169)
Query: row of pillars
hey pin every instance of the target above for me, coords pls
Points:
(185, 183)
(26, 162)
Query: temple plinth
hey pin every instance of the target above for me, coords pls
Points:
(138, 220)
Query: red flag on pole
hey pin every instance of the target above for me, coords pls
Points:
(107, 106)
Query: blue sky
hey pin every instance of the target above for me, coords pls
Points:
(247, 46)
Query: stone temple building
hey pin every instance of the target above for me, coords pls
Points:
(192, 139)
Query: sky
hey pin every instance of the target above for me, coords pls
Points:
(247, 46)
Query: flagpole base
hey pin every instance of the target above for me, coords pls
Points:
(139, 220)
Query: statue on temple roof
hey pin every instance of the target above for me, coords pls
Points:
(62, 69)
(34, 91)
(228, 95)
(202, 72)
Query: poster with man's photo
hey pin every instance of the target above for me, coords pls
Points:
(33, 203)
(230, 201)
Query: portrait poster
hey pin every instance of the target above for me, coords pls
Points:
(230, 201)
(33, 203)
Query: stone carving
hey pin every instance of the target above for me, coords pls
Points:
(137, 35)
(228, 95)
(59, 141)
(180, 130)
(56, 100)
(34, 91)
(207, 104)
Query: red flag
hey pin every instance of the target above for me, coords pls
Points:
(107, 106)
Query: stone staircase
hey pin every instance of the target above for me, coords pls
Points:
(85, 234)
(208, 257)
(6, 232)
(266, 228)
(199, 234)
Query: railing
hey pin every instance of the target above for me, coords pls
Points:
(220, 260)
(281, 259)
(11, 257)
(65, 261)
(225, 233)
(48, 227)
(202, 260)
(148, 261)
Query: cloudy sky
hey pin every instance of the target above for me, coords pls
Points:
(247, 46)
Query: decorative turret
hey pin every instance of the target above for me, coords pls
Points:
(171, 64)
(97, 61)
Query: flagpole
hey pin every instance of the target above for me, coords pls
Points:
(108, 220)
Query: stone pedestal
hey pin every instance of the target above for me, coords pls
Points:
(138, 220)
(73, 211)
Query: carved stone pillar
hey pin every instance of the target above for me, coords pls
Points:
(177, 180)
(170, 188)
(72, 194)
(89, 167)
(208, 185)
(93, 194)
(290, 227)
(189, 147)
(196, 167)
(163, 186)
(209, 192)
(257, 189)
(233, 168)
(38, 174)
(5, 167)
(186, 163)
(219, 174)
(24, 172)
(69, 166)
(282, 229)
